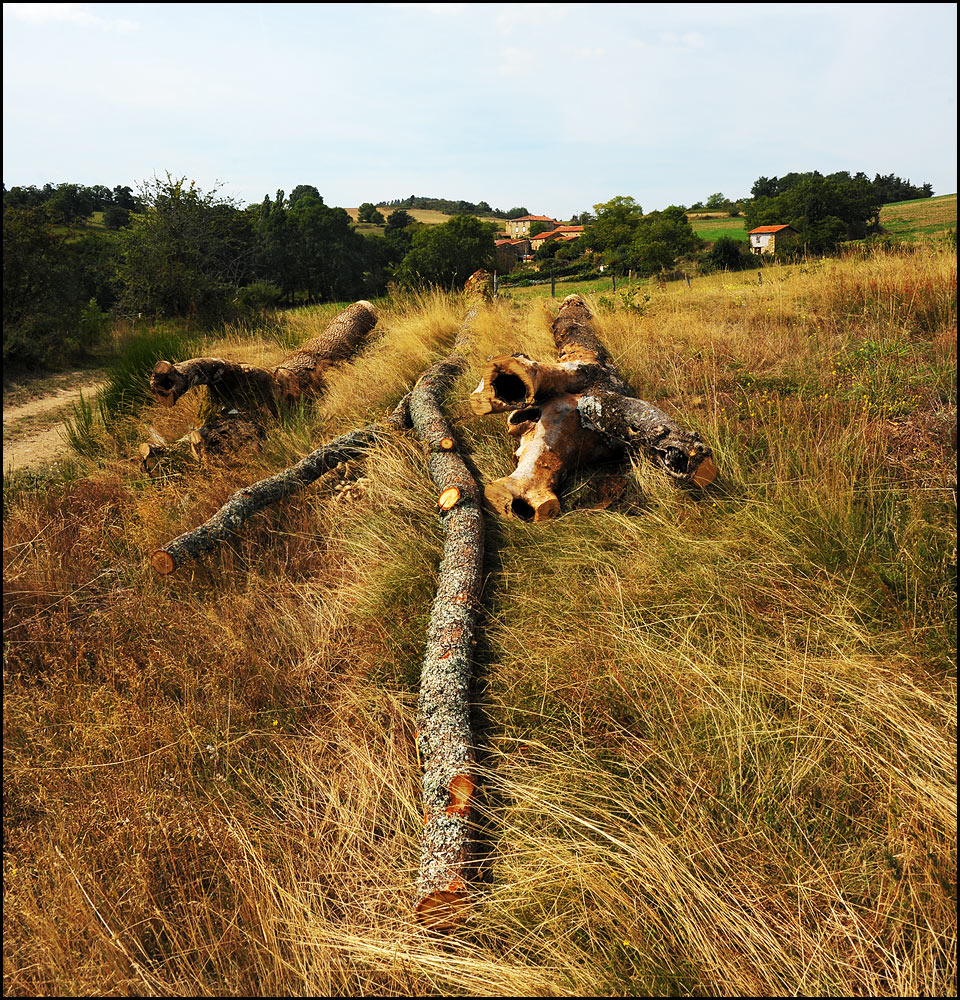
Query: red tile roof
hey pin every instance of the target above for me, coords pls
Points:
(533, 218)
(768, 229)
(565, 232)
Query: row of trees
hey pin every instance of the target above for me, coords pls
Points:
(188, 252)
(619, 234)
(450, 206)
(68, 204)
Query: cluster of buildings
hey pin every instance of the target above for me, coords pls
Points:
(516, 245)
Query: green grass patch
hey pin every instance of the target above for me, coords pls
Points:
(920, 216)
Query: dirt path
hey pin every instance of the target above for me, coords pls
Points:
(33, 417)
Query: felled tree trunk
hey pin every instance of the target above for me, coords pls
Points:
(250, 500)
(574, 411)
(250, 389)
(240, 395)
(444, 738)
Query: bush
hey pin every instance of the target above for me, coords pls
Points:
(257, 297)
(729, 254)
(92, 324)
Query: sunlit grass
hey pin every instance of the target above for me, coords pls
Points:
(715, 731)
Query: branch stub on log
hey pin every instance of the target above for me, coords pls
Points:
(449, 498)
(163, 562)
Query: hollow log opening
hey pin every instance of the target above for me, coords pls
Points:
(576, 411)
(522, 509)
(509, 388)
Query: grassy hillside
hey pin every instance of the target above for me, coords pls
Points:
(920, 217)
(907, 219)
(712, 228)
(716, 732)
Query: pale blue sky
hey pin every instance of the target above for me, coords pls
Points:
(552, 106)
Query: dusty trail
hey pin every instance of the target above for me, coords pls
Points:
(33, 427)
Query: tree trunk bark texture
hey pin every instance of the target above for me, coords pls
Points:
(250, 500)
(573, 411)
(444, 740)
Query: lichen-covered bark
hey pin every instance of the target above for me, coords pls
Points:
(248, 501)
(641, 426)
(444, 736)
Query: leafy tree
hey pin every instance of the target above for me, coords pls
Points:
(613, 229)
(536, 228)
(449, 253)
(42, 290)
(662, 237)
(101, 196)
(70, 203)
(303, 191)
(367, 212)
(330, 255)
(123, 197)
(115, 217)
(399, 219)
(186, 254)
(716, 202)
(517, 213)
(765, 187)
(275, 254)
(547, 250)
(729, 254)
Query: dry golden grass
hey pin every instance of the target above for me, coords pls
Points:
(716, 732)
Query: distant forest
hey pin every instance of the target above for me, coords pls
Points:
(451, 207)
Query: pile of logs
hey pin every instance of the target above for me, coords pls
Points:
(575, 410)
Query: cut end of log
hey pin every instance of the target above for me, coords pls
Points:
(165, 383)
(449, 498)
(509, 500)
(444, 908)
(508, 382)
(461, 795)
(705, 473)
(163, 562)
(447, 444)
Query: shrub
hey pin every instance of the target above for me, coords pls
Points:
(259, 296)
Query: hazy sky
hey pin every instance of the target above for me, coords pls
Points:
(551, 106)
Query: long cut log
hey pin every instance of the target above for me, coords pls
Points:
(300, 375)
(576, 410)
(244, 503)
(240, 395)
(444, 738)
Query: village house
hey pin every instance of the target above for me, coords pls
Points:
(562, 233)
(767, 239)
(521, 226)
(510, 253)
